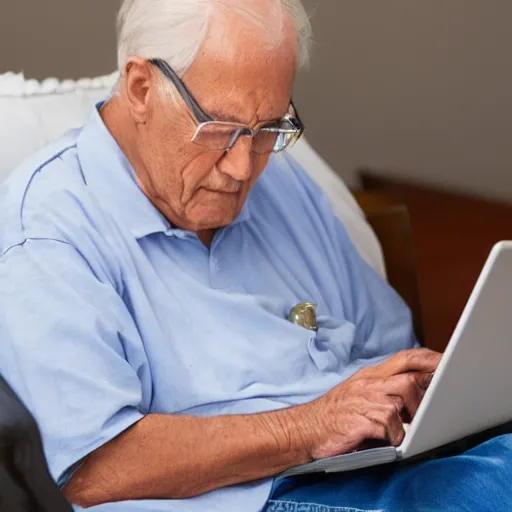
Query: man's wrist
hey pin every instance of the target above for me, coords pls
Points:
(295, 433)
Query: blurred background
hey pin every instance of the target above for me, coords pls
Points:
(418, 94)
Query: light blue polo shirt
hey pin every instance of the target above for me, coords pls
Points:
(107, 313)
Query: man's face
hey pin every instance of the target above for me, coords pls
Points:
(196, 188)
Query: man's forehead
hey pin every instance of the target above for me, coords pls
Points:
(244, 103)
(243, 92)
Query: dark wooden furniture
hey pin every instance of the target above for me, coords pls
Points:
(452, 235)
(390, 221)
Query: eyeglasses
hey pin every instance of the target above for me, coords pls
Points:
(221, 136)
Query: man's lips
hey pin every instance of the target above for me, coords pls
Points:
(229, 190)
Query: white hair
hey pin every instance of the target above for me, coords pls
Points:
(174, 30)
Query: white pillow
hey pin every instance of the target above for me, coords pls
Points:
(32, 114)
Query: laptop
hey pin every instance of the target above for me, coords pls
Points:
(471, 391)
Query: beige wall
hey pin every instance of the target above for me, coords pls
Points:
(421, 88)
(62, 38)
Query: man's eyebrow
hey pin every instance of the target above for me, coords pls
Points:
(219, 116)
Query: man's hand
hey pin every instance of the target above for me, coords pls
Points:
(370, 405)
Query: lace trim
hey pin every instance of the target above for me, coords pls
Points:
(15, 84)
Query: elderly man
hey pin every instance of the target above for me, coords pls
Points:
(148, 266)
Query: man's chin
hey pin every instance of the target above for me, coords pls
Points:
(212, 219)
(216, 213)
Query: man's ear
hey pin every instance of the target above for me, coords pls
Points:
(138, 75)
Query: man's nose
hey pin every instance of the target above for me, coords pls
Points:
(237, 162)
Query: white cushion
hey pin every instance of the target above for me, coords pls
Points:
(32, 114)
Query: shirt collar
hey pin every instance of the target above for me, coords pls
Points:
(111, 177)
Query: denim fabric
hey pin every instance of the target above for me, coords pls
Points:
(478, 480)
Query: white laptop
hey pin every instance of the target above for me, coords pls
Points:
(471, 391)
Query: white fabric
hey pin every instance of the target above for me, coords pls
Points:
(15, 85)
(33, 113)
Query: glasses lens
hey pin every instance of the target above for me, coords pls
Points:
(216, 136)
(264, 142)
(276, 139)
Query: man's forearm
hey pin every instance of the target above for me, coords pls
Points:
(172, 457)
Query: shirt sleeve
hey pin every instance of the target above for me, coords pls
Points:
(382, 320)
(69, 348)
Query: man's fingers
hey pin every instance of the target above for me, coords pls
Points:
(405, 390)
(374, 403)
(415, 360)
(397, 401)
(424, 379)
(388, 416)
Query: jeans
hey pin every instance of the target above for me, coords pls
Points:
(479, 480)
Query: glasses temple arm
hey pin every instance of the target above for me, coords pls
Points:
(191, 103)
